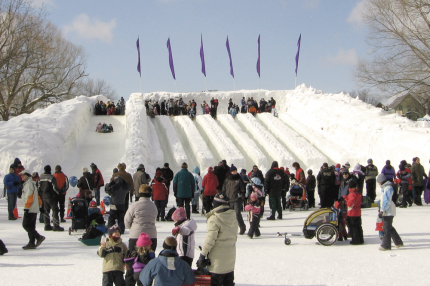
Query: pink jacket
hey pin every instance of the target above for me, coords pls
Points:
(255, 210)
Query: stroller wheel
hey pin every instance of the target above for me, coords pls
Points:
(290, 208)
(327, 234)
(287, 241)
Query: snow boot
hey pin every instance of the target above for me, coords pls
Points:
(29, 246)
(195, 211)
(242, 230)
(48, 227)
(63, 220)
(271, 217)
(40, 240)
(58, 228)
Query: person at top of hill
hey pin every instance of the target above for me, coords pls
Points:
(252, 110)
(213, 111)
(62, 185)
(233, 111)
(262, 105)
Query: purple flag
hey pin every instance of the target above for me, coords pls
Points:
(202, 56)
(138, 56)
(298, 53)
(229, 55)
(258, 59)
(172, 68)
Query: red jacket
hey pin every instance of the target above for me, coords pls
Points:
(159, 189)
(98, 180)
(210, 182)
(353, 202)
(19, 170)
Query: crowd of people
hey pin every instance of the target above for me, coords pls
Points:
(109, 108)
(224, 193)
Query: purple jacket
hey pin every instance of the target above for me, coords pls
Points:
(390, 174)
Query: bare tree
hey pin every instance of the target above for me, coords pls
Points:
(90, 87)
(400, 38)
(365, 96)
(37, 65)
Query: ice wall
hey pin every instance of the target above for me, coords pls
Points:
(156, 157)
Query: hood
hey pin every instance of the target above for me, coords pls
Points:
(256, 181)
(226, 217)
(16, 161)
(167, 255)
(388, 167)
(191, 224)
(196, 170)
(210, 170)
(357, 169)
(234, 177)
(118, 180)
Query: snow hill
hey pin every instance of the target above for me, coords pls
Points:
(313, 127)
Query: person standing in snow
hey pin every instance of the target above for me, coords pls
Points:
(168, 175)
(220, 242)
(344, 184)
(233, 112)
(274, 182)
(160, 194)
(50, 193)
(213, 111)
(389, 171)
(300, 174)
(326, 179)
(243, 103)
(32, 204)
(222, 171)
(18, 169)
(140, 178)
(209, 185)
(353, 203)
(86, 185)
(387, 212)
(118, 189)
(198, 187)
(163, 107)
(129, 179)
(98, 181)
(310, 188)
(404, 175)
(418, 174)
(62, 185)
(234, 188)
(371, 173)
(184, 232)
(358, 173)
(98, 108)
(254, 209)
(11, 182)
(183, 188)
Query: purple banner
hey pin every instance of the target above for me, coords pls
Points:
(258, 59)
(172, 68)
(138, 56)
(202, 55)
(298, 53)
(229, 55)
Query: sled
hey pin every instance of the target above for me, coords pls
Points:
(92, 241)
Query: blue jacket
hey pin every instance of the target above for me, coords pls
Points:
(233, 112)
(8, 181)
(167, 270)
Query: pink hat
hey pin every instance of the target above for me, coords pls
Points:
(143, 240)
(179, 214)
(254, 195)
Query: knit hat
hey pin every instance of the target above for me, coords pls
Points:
(325, 164)
(347, 165)
(35, 174)
(113, 229)
(84, 170)
(381, 178)
(253, 195)
(140, 167)
(12, 166)
(388, 162)
(58, 168)
(166, 164)
(233, 168)
(179, 214)
(243, 171)
(337, 165)
(403, 162)
(159, 173)
(170, 243)
(143, 240)
(115, 170)
(275, 164)
(47, 169)
(121, 166)
(282, 168)
(25, 172)
(93, 204)
(221, 198)
(352, 184)
(369, 161)
(184, 165)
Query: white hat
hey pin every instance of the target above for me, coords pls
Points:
(84, 170)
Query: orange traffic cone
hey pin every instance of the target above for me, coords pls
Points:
(69, 210)
(102, 207)
(15, 212)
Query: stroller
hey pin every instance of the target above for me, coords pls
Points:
(297, 197)
(79, 214)
(324, 224)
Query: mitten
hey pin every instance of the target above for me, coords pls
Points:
(380, 214)
(175, 231)
(201, 263)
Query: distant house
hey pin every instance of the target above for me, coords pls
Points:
(407, 105)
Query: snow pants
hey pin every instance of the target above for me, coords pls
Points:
(161, 207)
(117, 212)
(226, 279)
(207, 203)
(406, 195)
(390, 233)
(355, 229)
(275, 206)
(253, 226)
(11, 203)
(29, 224)
(418, 194)
(111, 277)
(371, 189)
(311, 198)
(326, 196)
(49, 204)
(61, 202)
(237, 206)
(181, 203)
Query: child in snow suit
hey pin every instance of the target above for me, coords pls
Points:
(254, 209)
(184, 232)
(353, 203)
(137, 259)
(310, 188)
(113, 252)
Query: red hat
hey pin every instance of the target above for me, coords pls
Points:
(143, 240)
(179, 214)
(337, 165)
(93, 204)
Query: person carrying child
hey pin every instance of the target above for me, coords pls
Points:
(113, 252)
(184, 232)
(353, 203)
(254, 208)
(137, 259)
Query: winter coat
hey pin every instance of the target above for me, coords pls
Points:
(185, 238)
(220, 241)
(310, 183)
(140, 178)
(371, 172)
(389, 172)
(233, 112)
(18, 169)
(184, 184)
(300, 176)
(344, 185)
(353, 202)
(98, 180)
(140, 217)
(417, 172)
(222, 173)
(159, 189)
(252, 209)
(326, 177)
(257, 174)
(388, 207)
(86, 182)
(113, 255)
(167, 270)
(255, 186)
(48, 186)
(62, 182)
(99, 127)
(234, 187)
(118, 190)
(275, 181)
(30, 197)
(405, 177)
(8, 181)
(126, 177)
(210, 183)
(167, 174)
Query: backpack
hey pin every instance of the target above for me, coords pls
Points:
(169, 214)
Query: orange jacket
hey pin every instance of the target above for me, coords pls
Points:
(62, 182)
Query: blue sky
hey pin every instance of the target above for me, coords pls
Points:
(333, 38)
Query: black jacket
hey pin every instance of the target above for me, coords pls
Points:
(167, 174)
(326, 177)
(117, 189)
(48, 186)
(234, 187)
(221, 173)
(310, 183)
(82, 183)
(275, 181)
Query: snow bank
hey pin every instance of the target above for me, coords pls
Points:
(253, 154)
(172, 145)
(47, 136)
(194, 145)
(218, 142)
(156, 158)
(296, 144)
(266, 141)
(137, 144)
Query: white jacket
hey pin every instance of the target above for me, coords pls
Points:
(140, 217)
(387, 205)
(30, 196)
(185, 238)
